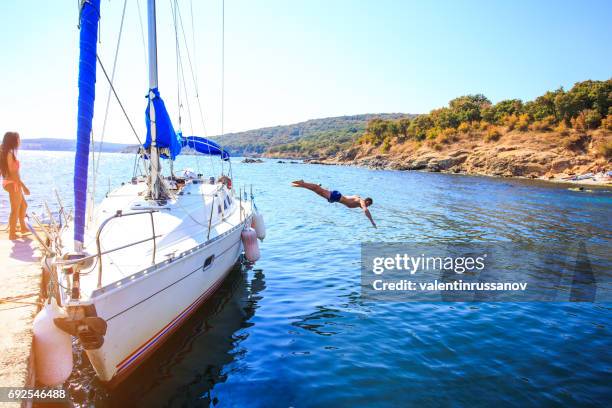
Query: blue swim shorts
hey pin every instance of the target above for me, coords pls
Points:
(334, 196)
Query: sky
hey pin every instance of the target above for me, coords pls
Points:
(290, 61)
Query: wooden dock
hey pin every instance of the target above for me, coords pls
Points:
(20, 285)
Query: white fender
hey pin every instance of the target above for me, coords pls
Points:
(251, 247)
(52, 347)
(258, 224)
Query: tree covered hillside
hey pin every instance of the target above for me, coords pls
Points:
(312, 134)
(586, 106)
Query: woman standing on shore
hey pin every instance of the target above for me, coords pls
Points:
(11, 182)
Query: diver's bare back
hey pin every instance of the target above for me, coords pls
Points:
(353, 201)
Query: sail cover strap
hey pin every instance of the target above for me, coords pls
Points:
(166, 139)
(90, 15)
(205, 146)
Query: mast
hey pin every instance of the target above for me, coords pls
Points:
(88, 39)
(155, 188)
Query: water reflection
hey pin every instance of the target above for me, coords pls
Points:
(320, 322)
(186, 368)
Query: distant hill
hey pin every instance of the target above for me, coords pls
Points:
(298, 139)
(66, 145)
(331, 132)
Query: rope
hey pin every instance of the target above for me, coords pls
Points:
(12, 299)
(18, 301)
(118, 100)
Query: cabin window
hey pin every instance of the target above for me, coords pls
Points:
(225, 205)
(219, 209)
(208, 262)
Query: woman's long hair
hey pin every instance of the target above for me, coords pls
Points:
(10, 143)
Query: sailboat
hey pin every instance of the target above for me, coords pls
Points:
(133, 270)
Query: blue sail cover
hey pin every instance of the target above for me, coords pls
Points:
(205, 146)
(90, 14)
(166, 139)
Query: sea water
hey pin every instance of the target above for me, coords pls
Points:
(294, 331)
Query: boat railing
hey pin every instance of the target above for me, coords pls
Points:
(99, 252)
(121, 214)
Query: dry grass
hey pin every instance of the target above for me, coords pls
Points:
(493, 134)
(605, 149)
(575, 142)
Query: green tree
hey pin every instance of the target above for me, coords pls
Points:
(468, 107)
(403, 125)
(445, 118)
(419, 126)
(592, 118)
(591, 95)
(543, 106)
(496, 113)
(377, 128)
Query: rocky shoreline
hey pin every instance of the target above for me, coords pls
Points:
(517, 155)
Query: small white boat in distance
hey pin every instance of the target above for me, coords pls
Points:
(130, 272)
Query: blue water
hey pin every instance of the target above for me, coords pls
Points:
(293, 331)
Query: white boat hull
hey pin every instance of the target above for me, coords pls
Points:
(158, 303)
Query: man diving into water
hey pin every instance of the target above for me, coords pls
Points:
(334, 196)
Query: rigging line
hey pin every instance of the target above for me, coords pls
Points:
(222, 76)
(180, 20)
(193, 45)
(141, 160)
(197, 156)
(195, 64)
(118, 100)
(194, 79)
(193, 74)
(180, 63)
(178, 75)
(187, 100)
(175, 13)
(137, 162)
(91, 190)
(108, 98)
(142, 36)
